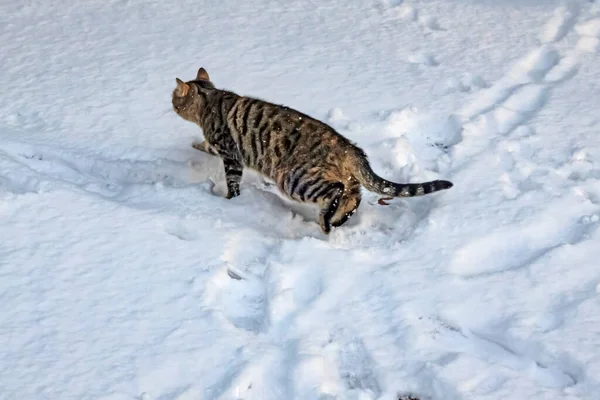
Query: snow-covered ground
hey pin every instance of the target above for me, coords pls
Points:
(125, 274)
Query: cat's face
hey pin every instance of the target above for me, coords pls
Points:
(189, 98)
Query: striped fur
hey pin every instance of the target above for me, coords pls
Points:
(309, 160)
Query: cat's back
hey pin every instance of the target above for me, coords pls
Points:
(257, 117)
(273, 138)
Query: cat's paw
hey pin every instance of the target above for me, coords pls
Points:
(231, 193)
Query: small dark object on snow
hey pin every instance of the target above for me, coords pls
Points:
(234, 275)
(382, 202)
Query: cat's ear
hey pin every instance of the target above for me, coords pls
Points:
(182, 88)
(202, 75)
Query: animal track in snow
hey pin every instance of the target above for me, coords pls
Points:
(355, 367)
(590, 28)
(514, 156)
(239, 289)
(465, 83)
(519, 107)
(589, 33)
(533, 67)
(589, 44)
(430, 23)
(565, 69)
(96, 175)
(560, 306)
(423, 59)
(181, 231)
(513, 247)
(458, 340)
(518, 96)
(266, 377)
(340, 367)
(256, 293)
(408, 13)
(561, 22)
(530, 69)
(241, 298)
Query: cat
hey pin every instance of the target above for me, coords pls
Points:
(308, 160)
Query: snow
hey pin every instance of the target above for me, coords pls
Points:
(589, 28)
(127, 275)
(561, 22)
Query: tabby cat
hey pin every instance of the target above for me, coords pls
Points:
(308, 160)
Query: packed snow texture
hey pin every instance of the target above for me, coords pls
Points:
(125, 273)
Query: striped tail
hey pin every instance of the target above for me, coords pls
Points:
(374, 183)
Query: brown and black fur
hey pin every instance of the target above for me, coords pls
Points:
(308, 159)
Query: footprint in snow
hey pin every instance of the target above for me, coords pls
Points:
(560, 24)
(181, 231)
(589, 36)
(518, 246)
(520, 107)
(240, 297)
(411, 14)
(356, 368)
(430, 23)
(466, 83)
(408, 13)
(425, 58)
(453, 338)
(528, 70)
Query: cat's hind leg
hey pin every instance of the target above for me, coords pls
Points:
(329, 201)
(349, 202)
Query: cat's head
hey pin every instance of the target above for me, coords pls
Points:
(189, 98)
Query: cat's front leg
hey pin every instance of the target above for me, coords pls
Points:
(204, 147)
